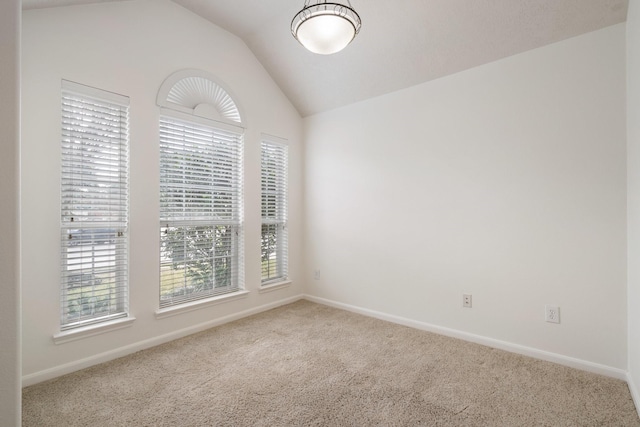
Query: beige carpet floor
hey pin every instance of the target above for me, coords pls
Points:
(310, 365)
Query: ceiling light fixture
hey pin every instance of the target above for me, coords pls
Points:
(325, 28)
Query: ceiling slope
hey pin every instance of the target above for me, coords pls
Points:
(402, 42)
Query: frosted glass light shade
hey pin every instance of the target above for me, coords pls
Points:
(326, 34)
(325, 28)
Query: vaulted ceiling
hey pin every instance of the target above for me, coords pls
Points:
(402, 42)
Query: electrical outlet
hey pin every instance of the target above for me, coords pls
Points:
(316, 274)
(466, 300)
(552, 313)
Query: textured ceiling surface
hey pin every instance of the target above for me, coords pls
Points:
(402, 42)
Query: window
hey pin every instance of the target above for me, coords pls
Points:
(274, 254)
(200, 210)
(94, 205)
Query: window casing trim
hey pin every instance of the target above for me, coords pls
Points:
(274, 285)
(200, 304)
(94, 206)
(92, 330)
(229, 169)
(94, 93)
(274, 214)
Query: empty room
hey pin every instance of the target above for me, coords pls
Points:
(299, 212)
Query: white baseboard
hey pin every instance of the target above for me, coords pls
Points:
(478, 339)
(635, 392)
(57, 371)
(67, 368)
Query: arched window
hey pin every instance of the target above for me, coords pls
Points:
(201, 220)
(197, 93)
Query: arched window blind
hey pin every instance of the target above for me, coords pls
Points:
(94, 204)
(201, 229)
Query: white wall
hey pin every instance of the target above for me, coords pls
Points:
(633, 164)
(506, 181)
(10, 394)
(130, 48)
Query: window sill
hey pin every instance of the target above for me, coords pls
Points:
(196, 305)
(270, 287)
(91, 330)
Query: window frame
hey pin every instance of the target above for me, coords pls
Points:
(94, 207)
(171, 220)
(274, 205)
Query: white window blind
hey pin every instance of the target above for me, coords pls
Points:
(274, 251)
(94, 204)
(201, 230)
